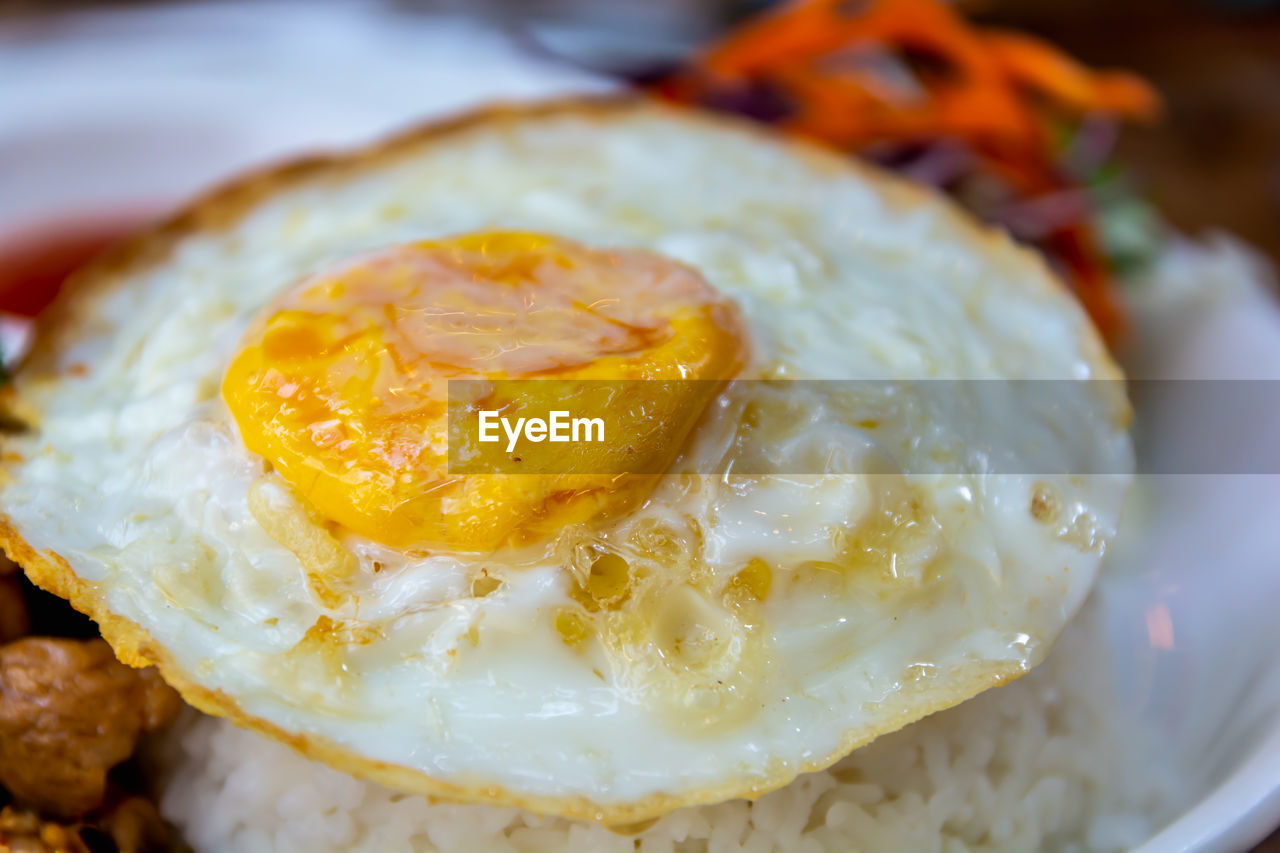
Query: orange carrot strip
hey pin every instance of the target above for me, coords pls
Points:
(1036, 65)
(989, 90)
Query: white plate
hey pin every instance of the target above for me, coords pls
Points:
(145, 107)
(1191, 590)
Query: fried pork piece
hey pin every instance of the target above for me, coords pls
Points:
(14, 619)
(69, 712)
(24, 832)
(131, 825)
(136, 827)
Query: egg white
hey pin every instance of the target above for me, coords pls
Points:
(130, 493)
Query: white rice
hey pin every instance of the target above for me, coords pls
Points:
(1044, 763)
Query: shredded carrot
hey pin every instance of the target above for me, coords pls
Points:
(1076, 247)
(853, 74)
(800, 47)
(1032, 63)
(978, 87)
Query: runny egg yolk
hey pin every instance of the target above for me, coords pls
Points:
(341, 383)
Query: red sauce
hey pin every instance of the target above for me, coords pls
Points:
(34, 261)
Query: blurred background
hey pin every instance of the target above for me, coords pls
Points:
(1212, 162)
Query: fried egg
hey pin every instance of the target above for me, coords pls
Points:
(237, 458)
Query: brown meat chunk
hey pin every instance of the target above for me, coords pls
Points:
(69, 712)
(14, 620)
(130, 825)
(135, 826)
(24, 832)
